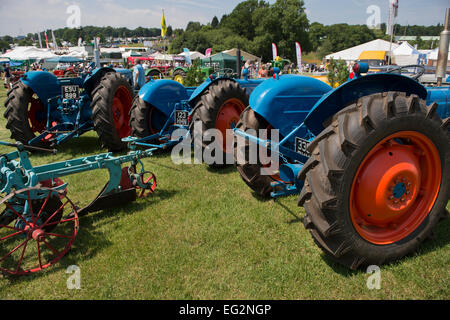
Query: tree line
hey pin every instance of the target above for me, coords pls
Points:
(253, 25)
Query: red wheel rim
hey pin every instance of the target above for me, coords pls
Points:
(121, 111)
(35, 115)
(227, 118)
(395, 187)
(41, 241)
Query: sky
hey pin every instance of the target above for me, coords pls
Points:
(19, 17)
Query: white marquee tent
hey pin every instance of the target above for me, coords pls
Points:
(405, 55)
(352, 54)
(193, 54)
(27, 53)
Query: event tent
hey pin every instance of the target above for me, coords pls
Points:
(352, 54)
(28, 53)
(220, 61)
(405, 55)
(245, 55)
(193, 54)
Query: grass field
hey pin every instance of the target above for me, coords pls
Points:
(204, 235)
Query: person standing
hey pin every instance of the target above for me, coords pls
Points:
(7, 77)
(138, 75)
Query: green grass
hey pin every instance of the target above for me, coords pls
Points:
(204, 235)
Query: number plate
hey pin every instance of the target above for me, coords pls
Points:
(70, 92)
(181, 118)
(301, 147)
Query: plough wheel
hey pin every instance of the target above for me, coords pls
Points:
(219, 108)
(252, 173)
(25, 114)
(378, 181)
(111, 105)
(145, 119)
(38, 238)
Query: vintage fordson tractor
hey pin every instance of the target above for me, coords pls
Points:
(164, 105)
(370, 159)
(44, 110)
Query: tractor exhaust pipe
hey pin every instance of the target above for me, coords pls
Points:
(238, 62)
(442, 62)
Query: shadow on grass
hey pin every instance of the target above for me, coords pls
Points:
(221, 170)
(296, 219)
(89, 241)
(440, 239)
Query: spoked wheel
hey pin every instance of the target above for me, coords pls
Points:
(25, 113)
(149, 180)
(377, 183)
(34, 233)
(256, 175)
(111, 104)
(219, 107)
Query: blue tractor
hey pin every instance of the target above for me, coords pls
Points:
(44, 110)
(164, 105)
(370, 159)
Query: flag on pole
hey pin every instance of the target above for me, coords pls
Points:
(55, 46)
(46, 39)
(208, 52)
(299, 55)
(40, 40)
(274, 51)
(80, 41)
(163, 26)
(393, 13)
(187, 56)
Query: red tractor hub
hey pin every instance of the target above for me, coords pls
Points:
(395, 187)
(228, 117)
(121, 107)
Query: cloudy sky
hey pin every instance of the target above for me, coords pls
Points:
(18, 17)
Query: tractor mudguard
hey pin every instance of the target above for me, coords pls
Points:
(285, 102)
(336, 100)
(92, 80)
(43, 83)
(163, 94)
(248, 85)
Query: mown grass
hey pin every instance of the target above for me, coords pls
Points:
(204, 235)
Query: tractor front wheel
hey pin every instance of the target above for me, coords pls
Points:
(145, 119)
(111, 105)
(219, 108)
(377, 182)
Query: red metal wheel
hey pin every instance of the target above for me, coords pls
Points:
(227, 118)
(395, 187)
(122, 102)
(148, 179)
(38, 238)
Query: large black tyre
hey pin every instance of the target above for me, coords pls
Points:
(333, 177)
(155, 74)
(219, 107)
(251, 173)
(18, 106)
(179, 75)
(111, 105)
(145, 119)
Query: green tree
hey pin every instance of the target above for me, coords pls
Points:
(215, 22)
(338, 72)
(194, 75)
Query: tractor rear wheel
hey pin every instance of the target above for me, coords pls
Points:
(219, 107)
(179, 76)
(377, 182)
(25, 114)
(111, 105)
(252, 174)
(145, 119)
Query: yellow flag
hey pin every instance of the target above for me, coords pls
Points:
(163, 26)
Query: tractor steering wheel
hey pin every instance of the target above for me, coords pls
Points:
(418, 70)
